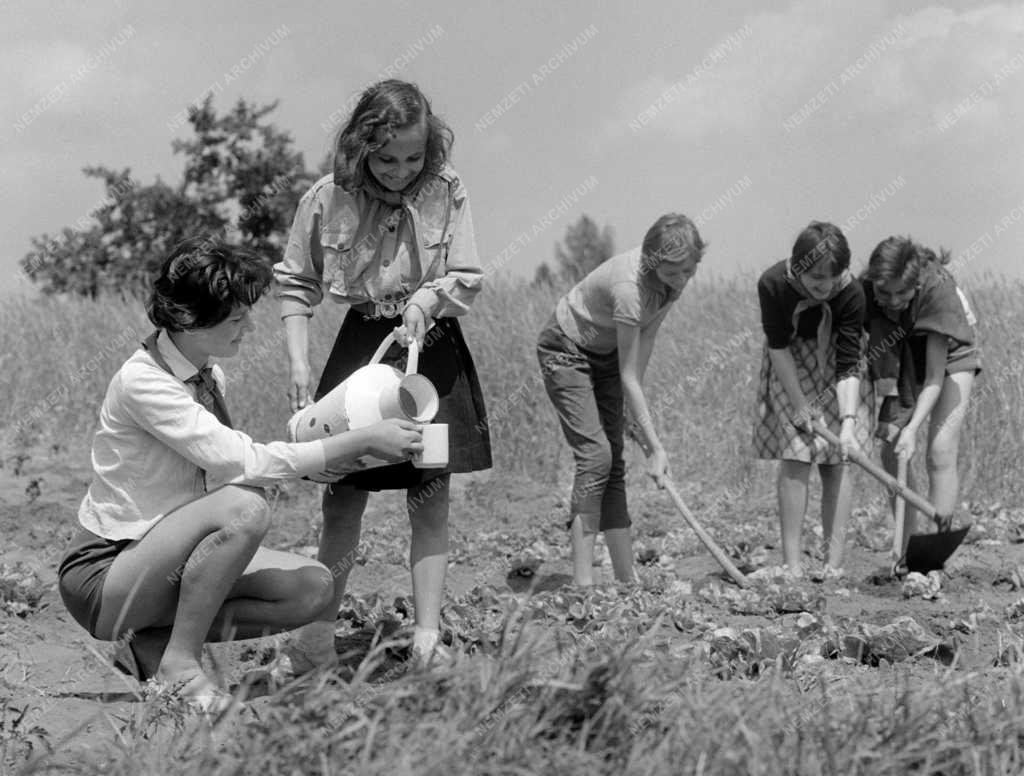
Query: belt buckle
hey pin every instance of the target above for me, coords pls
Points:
(388, 309)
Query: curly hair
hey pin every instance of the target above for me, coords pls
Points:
(202, 281)
(900, 258)
(820, 240)
(382, 110)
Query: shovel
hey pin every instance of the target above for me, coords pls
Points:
(925, 552)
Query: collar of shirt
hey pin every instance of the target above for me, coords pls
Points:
(180, 366)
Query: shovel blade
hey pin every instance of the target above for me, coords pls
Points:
(929, 552)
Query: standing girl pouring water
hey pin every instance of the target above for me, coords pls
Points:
(389, 233)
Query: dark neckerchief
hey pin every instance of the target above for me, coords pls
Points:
(394, 208)
(824, 333)
(202, 381)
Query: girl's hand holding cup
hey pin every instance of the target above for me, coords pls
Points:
(394, 439)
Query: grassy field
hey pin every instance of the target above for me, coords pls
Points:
(681, 675)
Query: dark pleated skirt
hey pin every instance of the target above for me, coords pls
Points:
(446, 362)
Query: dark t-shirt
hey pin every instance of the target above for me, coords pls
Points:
(779, 300)
(897, 346)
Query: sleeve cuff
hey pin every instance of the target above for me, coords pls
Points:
(310, 457)
(291, 306)
(426, 299)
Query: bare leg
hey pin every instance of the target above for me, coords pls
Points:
(343, 508)
(179, 582)
(792, 491)
(836, 502)
(582, 552)
(944, 441)
(312, 645)
(620, 547)
(428, 552)
(277, 592)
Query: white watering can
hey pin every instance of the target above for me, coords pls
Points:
(370, 394)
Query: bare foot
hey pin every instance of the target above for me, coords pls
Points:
(194, 687)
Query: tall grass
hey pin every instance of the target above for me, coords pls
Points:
(59, 355)
(613, 713)
(626, 706)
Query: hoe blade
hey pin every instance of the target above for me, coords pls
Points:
(928, 552)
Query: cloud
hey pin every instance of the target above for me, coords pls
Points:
(790, 69)
(62, 77)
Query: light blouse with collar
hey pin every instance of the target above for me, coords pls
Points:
(157, 448)
(361, 249)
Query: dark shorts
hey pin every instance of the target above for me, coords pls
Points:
(896, 411)
(446, 362)
(82, 573)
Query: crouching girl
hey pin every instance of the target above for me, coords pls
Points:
(169, 555)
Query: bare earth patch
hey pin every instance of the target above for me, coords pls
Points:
(856, 636)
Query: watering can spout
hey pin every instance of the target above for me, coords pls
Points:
(370, 394)
(413, 398)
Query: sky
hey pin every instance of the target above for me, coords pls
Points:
(884, 118)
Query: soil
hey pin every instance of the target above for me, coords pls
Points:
(62, 680)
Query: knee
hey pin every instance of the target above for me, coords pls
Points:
(429, 501)
(793, 473)
(305, 591)
(941, 457)
(314, 591)
(596, 461)
(249, 512)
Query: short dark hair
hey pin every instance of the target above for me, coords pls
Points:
(382, 109)
(902, 259)
(820, 240)
(202, 281)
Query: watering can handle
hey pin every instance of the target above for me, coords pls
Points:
(413, 361)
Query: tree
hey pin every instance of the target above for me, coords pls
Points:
(242, 182)
(585, 246)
